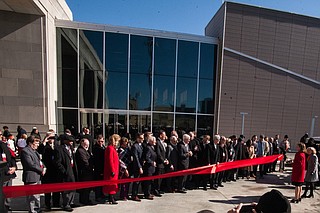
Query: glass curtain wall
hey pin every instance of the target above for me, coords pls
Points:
(125, 83)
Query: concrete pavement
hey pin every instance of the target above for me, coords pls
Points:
(221, 200)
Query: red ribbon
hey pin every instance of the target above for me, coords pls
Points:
(25, 190)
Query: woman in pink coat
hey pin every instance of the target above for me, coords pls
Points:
(111, 167)
(298, 171)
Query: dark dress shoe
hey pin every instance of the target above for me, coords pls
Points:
(181, 191)
(136, 198)
(220, 185)
(67, 209)
(149, 197)
(74, 205)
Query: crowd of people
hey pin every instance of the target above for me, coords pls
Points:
(68, 158)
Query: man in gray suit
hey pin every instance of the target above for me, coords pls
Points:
(33, 169)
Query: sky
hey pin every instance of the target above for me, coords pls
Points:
(184, 16)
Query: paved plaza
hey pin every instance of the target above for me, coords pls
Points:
(245, 191)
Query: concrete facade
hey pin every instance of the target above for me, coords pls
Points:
(27, 39)
(269, 69)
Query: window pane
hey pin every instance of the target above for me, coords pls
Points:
(185, 123)
(163, 96)
(188, 59)
(91, 48)
(205, 125)
(116, 71)
(164, 56)
(116, 90)
(162, 121)
(140, 91)
(207, 61)
(141, 54)
(186, 94)
(206, 96)
(117, 52)
(67, 67)
(68, 119)
(91, 88)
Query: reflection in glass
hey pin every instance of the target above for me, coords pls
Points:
(188, 59)
(91, 88)
(116, 86)
(140, 92)
(207, 61)
(91, 66)
(141, 54)
(68, 119)
(185, 122)
(163, 93)
(162, 121)
(139, 123)
(186, 94)
(116, 71)
(164, 56)
(67, 67)
(206, 96)
(93, 121)
(205, 125)
(115, 124)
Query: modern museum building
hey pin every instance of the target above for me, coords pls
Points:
(255, 71)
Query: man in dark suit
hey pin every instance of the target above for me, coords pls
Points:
(214, 160)
(149, 166)
(162, 161)
(137, 153)
(98, 164)
(48, 154)
(204, 158)
(66, 169)
(184, 154)
(33, 169)
(85, 169)
(172, 155)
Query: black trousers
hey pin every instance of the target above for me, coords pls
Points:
(135, 185)
(157, 182)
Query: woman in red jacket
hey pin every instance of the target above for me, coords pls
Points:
(111, 167)
(298, 171)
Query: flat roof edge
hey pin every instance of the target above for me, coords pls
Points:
(132, 30)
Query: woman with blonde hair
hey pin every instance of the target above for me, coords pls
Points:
(312, 172)
(298, 171)
(111, 167)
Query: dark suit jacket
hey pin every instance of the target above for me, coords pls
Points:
(173, 155)
(161, 154)
(84, 164)
(65, 171)
(205, 154)
(98, 161)
(183, 156)
(137, 153)
(151, 157)
(32, 170)
(48, 158)
(214, 154)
